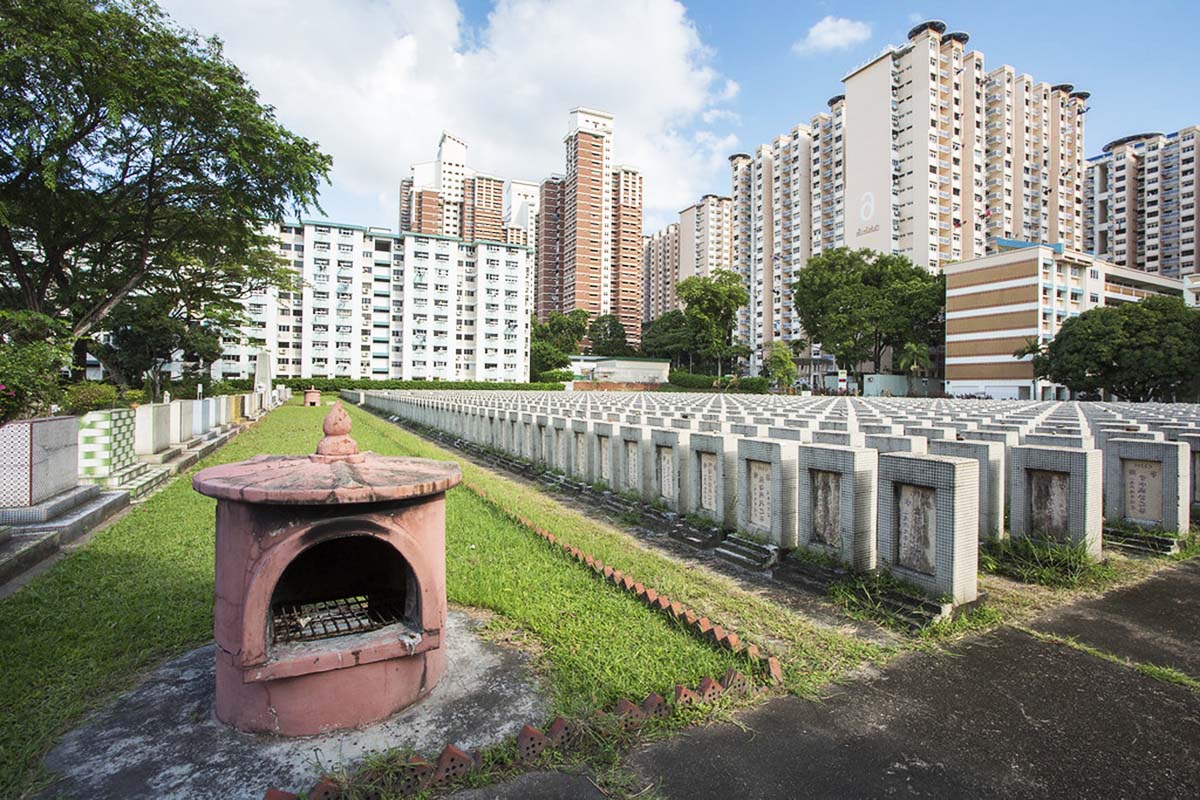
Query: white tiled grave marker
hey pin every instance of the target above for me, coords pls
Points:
(666, 472)
(760, 493)
(917, 527)
(1049, 503)
(827, 507)
(708, 482)
(1142, 483)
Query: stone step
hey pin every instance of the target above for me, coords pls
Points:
(162, 456)
(5, 534)
(49, 508)
(1140, 544)
(739, 558)
(766, 554)
(29, 545)
(147, 482)
(181, 462)
(122, 477)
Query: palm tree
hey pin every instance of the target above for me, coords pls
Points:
(913, 358)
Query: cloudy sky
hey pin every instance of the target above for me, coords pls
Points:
(376, 81)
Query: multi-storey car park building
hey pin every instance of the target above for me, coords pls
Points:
(997, 304)
(377, 304)
(592, 252)
(1140, 202)
(700, 243)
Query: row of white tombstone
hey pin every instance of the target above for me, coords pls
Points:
(906, 485)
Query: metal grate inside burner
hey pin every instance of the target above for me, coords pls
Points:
(324, 619)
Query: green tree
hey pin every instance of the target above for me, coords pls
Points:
(33, 350)
(779, 364)
(859, 303)
(131, 149)
(544, 356)
(712, 303)
(146, 334)
(1138, 351)
(607, 336)
(673, 336)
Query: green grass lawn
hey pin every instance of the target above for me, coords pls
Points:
(141, 591)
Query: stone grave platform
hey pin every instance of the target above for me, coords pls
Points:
(162, 741)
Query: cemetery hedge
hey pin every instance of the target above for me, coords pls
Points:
(237, 385)
(688, 380)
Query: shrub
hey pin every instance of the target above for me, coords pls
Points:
(556, 376)
(133, 396)
(90, 396)
(745, 385)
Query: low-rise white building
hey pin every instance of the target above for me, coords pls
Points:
(379, 305)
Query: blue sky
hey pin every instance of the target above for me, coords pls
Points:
(375, 81)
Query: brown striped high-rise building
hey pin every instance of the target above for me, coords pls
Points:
(600, 236)
(549, 248)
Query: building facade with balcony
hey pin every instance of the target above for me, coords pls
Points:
(373, 304)
(998, 304)
(1140, 202)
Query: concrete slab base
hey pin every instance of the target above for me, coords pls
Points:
(162, 741)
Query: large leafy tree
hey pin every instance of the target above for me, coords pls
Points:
(147, 333)
(673, 336)
(712, 303)
(130, 151)
(860, 303)
(1137, 351)
(553, 342)
(607, 336)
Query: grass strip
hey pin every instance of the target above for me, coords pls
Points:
(1155, 671)
(1046, 563)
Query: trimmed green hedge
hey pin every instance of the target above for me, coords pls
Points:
(238, 385)
(744, 385)
(556, 375)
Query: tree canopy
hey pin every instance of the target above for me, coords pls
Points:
(712, 304)
(554, 341)
(1138, 351)
(607, 335)
(779, 364)
(130, 151)
(859, 303)
(673, 336)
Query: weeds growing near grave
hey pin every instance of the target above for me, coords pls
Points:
(877, 597)
(1046, 563)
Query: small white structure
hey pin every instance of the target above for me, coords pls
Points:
(621, 370)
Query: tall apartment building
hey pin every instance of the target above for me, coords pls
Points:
(914, 149)
(772, 236)
(660, 257)
(550, 242)
(600, 236)
(521, 204)
(446, 197)
(706, 237)
(928, 155)
(377, 304)
(997, 303)
(1140, 202)
(700, 243)
(828, 176)
(1035, 163)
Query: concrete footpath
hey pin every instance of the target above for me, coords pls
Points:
(1005, 715)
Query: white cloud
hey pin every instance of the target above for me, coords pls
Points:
(376, 81)
(832, 33)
